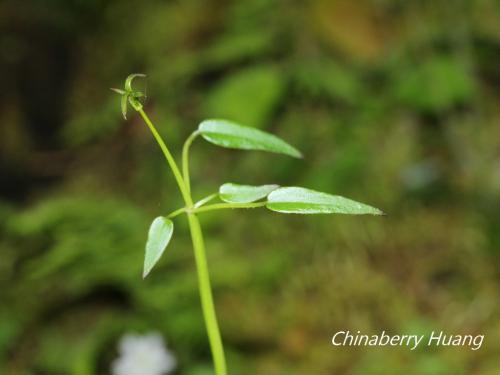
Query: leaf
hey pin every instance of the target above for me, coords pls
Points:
(297, 200)
(118, 91)
(123, 104)
(160, 233)
(129, 79)
(233, 193)
(228, 134)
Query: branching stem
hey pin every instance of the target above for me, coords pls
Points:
(198, 244)
(177, 212)
(198, 206)
(223, 206)
(205, 200)
(185, 159)
(170, 159)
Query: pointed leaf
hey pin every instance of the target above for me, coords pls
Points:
(118, 91)
(233, 193)
(228, 134)
(123, 104)
(160, 233)
(299, 200)
(130, 78)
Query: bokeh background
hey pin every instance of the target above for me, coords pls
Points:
(394, 103)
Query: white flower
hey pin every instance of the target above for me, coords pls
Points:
(143, 355)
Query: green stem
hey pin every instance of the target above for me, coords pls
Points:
(176, 212)
(198, 244)
(207, 302)
(198, 206)
(170, 159)
(185, 159)
(207, 199)
(223, 206)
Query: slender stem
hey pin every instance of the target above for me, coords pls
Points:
(207, 199)
(170, 159)
(206, 296)
(176, 212)
(198, 206)
(185, 159)
(198, 244)
(223, 206)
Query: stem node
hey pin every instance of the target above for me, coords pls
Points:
(198, 244)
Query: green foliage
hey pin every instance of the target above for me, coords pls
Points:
(231, 135)
(130, 96)
(329, 80)
(265, 86)
(287, 200)
(437, 84)
(232, 48)
(74, 213)
(159, 235)
(233, 193)
(299, 200)
(62, 228)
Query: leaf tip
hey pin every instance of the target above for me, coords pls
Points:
(118, 91)
(377, 212)
(292, 151)
(298, 154)
(146, 271)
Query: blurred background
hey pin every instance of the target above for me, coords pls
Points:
(394, 103)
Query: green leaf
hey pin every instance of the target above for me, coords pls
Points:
(228, 134)
(129, 79)
(123, 104)
(297, 200)
(233, 193)
(118, 91)
(160, 233)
